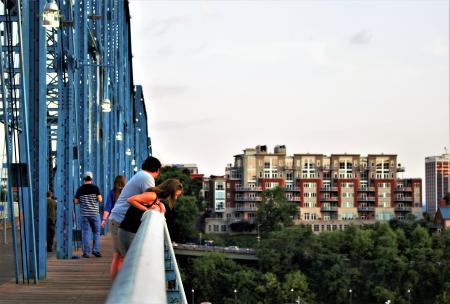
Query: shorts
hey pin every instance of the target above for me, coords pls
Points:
(125, 239)
(113, 227)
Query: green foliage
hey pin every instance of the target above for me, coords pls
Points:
(182, 224)
(185, 215)
(379, 263)
(275, 211)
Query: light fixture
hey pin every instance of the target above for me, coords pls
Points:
(128, 151)
(133, 162)
(106, 105)
(50, 15)
(119, 136)
(135, 168)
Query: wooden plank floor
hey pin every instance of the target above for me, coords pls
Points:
(68, 281)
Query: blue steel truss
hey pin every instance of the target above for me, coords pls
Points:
(57, 79)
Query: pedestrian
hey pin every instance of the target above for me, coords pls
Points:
(168, 190)
(141, 181)
(88, 196)
(51, 217)
(113, 195)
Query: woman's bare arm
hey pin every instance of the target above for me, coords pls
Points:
(141, 200)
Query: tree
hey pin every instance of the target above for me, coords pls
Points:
(298, 282)
(275, 211)
(182, 223)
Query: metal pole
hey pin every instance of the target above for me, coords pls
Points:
(193, 299)
(292, 295)
(235, 296)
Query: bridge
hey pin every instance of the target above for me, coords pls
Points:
(68, 104)
(229, 252)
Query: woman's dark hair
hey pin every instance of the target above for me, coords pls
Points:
(151, 164)
(167, 190)
(119, 183)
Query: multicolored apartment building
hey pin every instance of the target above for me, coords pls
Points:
(331, 191)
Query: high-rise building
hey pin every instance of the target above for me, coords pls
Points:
(330, 191)
(437, 169)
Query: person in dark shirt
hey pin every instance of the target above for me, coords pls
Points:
(51, 216)
(88, 196)
(168, 190)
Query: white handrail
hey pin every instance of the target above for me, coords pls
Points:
(142, 278)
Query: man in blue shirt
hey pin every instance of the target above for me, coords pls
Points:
(88, 196)
(138, 184)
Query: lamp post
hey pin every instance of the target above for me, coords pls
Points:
(192, 292)
(235, 296)
(258, 237)
(50, 15)
(409, 296)
(292, 295)
(350, 295)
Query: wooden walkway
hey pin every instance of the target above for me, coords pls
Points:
(68, 281)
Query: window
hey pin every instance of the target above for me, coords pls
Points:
(347, 204)
(209, 227)
(316, 228)
(224, 228)
(216, 228)
(228, 185)
(289, 176)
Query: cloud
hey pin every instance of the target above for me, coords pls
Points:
(362, 37)
(161, 91)
(178, 124)
(163, 26)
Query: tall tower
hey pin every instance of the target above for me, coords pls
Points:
(437, 169)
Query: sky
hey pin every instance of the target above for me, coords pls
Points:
(326, 77)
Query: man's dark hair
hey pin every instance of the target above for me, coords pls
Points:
(151, 164)
(87, 179)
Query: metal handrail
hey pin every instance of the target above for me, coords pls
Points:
(144, 265)
(174, 261)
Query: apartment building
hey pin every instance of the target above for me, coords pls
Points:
(330, 191)
(437, 169)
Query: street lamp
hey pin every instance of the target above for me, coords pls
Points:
(106, 105)
(119, 136)
(292, 295)
(192, 291)
(128, 152)
(350, 298)
(50, 15)
(409, 296)
(388, 302)
(258, 237)
(235, 296)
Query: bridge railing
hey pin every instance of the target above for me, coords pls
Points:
(149, 273)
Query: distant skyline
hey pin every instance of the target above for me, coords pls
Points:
(324, 77)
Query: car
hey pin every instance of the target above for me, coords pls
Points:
(232, 248)
(208, 242)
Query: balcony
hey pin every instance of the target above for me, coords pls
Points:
(248, 189)
(365, 209)
(329, 208)
(366, 199)
(366, 189)
(247, 199)
(291, 189)
(328, 189)
(329, 199)
(403, 209)
(403, 189)
(403, 199)
(245, 208)
(294, 199)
